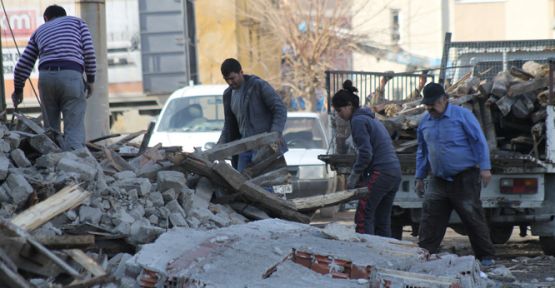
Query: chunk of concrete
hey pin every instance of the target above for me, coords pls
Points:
(142, 232)
(171, 179)
(177, 220)
(19, 158)
(85, 171)
(89, 214)
(43, 144)
(185, 198)
(174, 207)
(18, 188)
(125, 175)
(4, 166)
(157, 199)
(141, 184)
(169, 195)
(13, 139)
(5, 146)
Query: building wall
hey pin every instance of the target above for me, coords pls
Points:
(421, 33)
(222, 33)
(502, 19)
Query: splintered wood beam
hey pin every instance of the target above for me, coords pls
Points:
(223, 151)
(319, 201)
(274, 177)
(64, 200)
(127, 138)
(67, 241)
(263, 199)
(527, 86)
(12, 228)
(87, 262)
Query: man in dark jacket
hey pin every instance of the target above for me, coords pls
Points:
(251, 106)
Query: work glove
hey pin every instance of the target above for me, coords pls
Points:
(352, 181)
(17, 98)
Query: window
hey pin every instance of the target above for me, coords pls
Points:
(395, 26)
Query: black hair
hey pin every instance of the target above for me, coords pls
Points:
(230, 65)
(54, 11)
(346, 96)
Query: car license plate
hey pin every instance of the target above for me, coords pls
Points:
(283, 189)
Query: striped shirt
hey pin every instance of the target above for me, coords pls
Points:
(60, 40)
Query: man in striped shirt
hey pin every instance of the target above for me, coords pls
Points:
(65, 50)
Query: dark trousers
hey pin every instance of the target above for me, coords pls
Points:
(373, 214)
(463, 195)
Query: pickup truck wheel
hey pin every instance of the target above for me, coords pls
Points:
(548, 245)
(329, 212)
(397, 231)
(500, 234)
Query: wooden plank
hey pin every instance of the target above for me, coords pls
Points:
(64, 200)
(528, 86)
(67, 241)
(116, 160)
(274, 177)
(6, 225)
(126, 139)
(87, 262)
(501, 83)
(263, 199)
(224, 151)
(319, 201)
(254, 192)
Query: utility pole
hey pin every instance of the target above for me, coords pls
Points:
(97, 117)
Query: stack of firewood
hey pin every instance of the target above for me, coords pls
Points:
(511, 109)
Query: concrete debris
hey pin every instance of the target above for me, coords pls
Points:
(261, 254)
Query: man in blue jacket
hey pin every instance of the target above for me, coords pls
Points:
(251, 106)
(452, 149)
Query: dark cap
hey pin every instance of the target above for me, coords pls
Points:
(432, 92)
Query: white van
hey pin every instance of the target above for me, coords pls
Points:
(193, 116)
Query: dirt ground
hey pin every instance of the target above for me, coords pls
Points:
(519, 263)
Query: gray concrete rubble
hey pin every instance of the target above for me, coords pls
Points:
(260, 254)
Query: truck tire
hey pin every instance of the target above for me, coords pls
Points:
(329, 212)
(500, 234)
(397, 231)
(548, 245)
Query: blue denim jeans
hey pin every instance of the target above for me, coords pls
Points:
(62, 94)
(245, 159)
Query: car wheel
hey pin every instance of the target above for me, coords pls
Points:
(500, 234)
(548, 245)
(397, 231)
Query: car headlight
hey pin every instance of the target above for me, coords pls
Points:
(312, 172)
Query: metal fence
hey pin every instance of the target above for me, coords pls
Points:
(460, 58)
(398, 88)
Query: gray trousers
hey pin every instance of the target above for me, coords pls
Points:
(462, 195)
(62, 93)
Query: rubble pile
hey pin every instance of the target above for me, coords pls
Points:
(79, 218)
(511, 108)
(129, 197)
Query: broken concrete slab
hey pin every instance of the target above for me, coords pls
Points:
(19, 158)
(171, 179)
(89, 214)
(85, 172)
(17, 188)
(43, 144)
(257, 254)
(142, 185)
(13, 139)
(4, 166)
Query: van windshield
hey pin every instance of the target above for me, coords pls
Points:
(193, 114)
